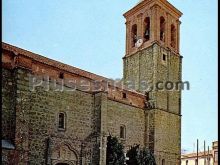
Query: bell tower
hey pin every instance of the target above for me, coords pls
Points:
(152, 65)
(149, 23)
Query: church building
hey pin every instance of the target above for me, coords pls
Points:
(56, 114)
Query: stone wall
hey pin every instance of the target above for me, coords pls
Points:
(8, 105)
(167, 137)
(163, 118)
(138, 68)
(37, 122)
(92, 116)
(132, 118)
(38, 139)
(168, 70)
(35, 113)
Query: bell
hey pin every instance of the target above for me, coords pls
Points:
(147, 33)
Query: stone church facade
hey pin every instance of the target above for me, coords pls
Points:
(48, 119)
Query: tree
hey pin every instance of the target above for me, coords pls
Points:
(115, 153)
(138, 156)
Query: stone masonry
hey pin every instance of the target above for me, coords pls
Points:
(36, 91)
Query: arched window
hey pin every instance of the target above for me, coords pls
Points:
(147, 29)
(61, 121)
(122, 132)
(173, 36)
(134, 34)
(162, 29)
(163, 161)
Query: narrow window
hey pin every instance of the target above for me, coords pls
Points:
(124, 95)
(147, 29)
(163, 161)
(173, 36)
(122, 132)
(134, 34)
(164, 57)
(187, 162)
(61, 75)
(180, 111)
(162, 29)
(61, 121)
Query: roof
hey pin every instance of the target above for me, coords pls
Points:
(142, 3)
(17, 57)
(193, 155)
(51, 62)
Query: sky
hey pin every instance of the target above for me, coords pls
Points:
(91, 35)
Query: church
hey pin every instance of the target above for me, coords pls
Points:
(56, 114)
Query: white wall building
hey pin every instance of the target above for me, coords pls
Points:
(204, 158)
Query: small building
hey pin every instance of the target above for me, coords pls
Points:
(204, 158)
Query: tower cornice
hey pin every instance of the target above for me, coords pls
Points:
(153, 43)
(153, 3)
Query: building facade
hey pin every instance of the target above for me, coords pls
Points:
(55, 114)
(209, 157)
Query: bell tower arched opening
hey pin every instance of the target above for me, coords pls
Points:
(146, 29)
(134, 35)
(162, 29)
(173, 36)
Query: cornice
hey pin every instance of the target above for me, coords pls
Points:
(154, 3)
(153, 43)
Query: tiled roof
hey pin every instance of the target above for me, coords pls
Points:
(64, 67)
(192, 155)
(51, 62)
